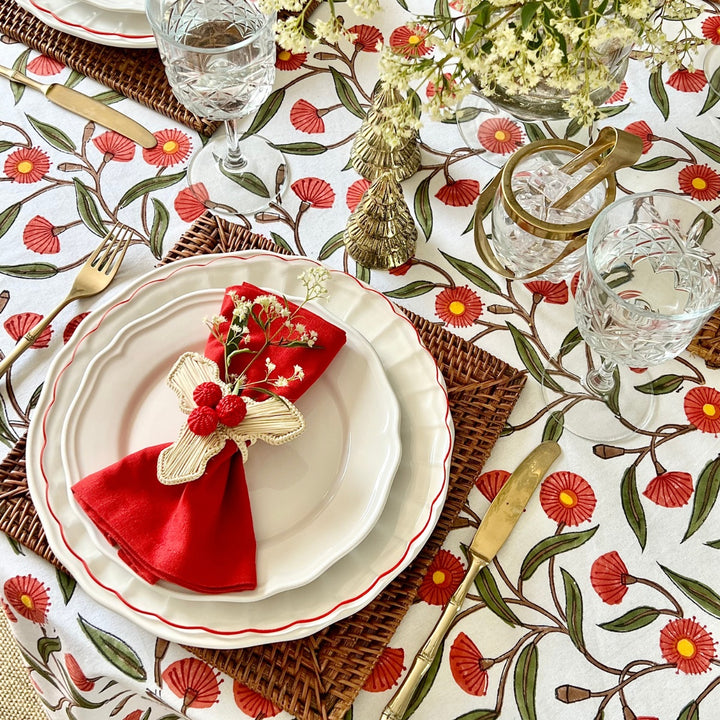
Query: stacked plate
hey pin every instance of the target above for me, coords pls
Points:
(120, 23)
(338, 513)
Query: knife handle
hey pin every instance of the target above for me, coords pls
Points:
(400, 701)
(18, 77)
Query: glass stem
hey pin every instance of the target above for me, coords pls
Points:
(234, 160)
(600, 381)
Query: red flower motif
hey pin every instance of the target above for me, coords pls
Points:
(409, 41)
(688, 645)
(39, 236)
(402, 269)
(194, 681)
(115, 146)
(286, 60)
(253, 703)
(619, 94)
(458, 306)
(82, 682)
(459, 193)
(28, 597)
(44, 65)
(387, 670)
(608, 576)
(71, 327)
(701, 182)
(447, 90)
(500, 135)
(670, 489)
(305, 117)
(553, 293)
(567, 498)
(355, 193)
(702, 408)
(646, 717)
(314, 191)
(17, 325)
(711, 29)
(27, 165)
(467, 666)
(368, 37)
(644, 132)
(441, 579)
(686, 81)
(9, 614)
(134, 715)
(190, 202)
(489, 483)
(173, 147)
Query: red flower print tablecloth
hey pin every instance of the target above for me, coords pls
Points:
(605, 602)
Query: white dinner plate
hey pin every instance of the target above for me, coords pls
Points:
(131, 6)
(89, 22)
(312, 500)
(410, 513)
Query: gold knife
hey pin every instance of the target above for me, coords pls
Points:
(499, 520)
(86, 107)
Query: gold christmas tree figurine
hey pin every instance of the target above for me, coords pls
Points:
(371, 154)
(381, 233)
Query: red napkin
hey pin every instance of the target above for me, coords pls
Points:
(200, 534)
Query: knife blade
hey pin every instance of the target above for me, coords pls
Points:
(86, 107)
(497, 524)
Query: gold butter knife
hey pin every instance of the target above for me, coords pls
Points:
(86, 107)
(499, 520)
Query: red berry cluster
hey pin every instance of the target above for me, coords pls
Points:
(214, 408)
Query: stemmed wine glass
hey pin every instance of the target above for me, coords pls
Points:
(650, 280)
(219, 57)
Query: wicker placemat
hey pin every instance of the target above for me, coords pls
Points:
(706, 344)
(319, 676)
(137, 74)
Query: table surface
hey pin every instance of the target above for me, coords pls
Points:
(610, 579)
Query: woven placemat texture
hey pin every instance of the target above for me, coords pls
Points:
(706, 344)
(318, 677)
(136, 74)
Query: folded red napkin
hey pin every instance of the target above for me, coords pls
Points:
(199, 534)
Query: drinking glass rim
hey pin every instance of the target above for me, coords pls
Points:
(617, 297)
(157, 30)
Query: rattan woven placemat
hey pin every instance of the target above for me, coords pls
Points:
(706, 344)
(137, 74)
(319, 676)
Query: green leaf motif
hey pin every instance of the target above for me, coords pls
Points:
(88, 209)
(526, 682)
(332, 245)
(632, 507)
(423, 209)
(554, 426)
(15, 545)
(573, 610)
(161, 220)
(278, 240)
(534, 132)
(705, 497)
(73, 79)
(570, 342)
(479, 715)
(413, 289)
(661, 386)
(159, 182)
(690, 712)
(56, 137)
(30, 271)
(8, 217)
(67, 585)
(247, 181)
(658, 92)
(426, 683)
(349, 714)
(47, 646)
(634, 619)
(362, 273)
(531, 360)
(714, 544)
(710, 149)
(492, 597)
(108, 97)
(346, 94)
(712, 97)
(477, 276)
(116, 651)
(552, 546)
(301, 148)
(702, 595)
(21, 65)
(266, 112)
(662, 162)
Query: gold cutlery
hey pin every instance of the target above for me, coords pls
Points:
(94, 276)
(496, 526)
(86, 107)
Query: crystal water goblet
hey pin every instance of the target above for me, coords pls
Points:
(650, 280)
(219, 58)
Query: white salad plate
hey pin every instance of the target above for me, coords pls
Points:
(408, 517)
(313, 499)
(90, 22)
(130, 6)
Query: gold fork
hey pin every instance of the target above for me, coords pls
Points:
(94, 276)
